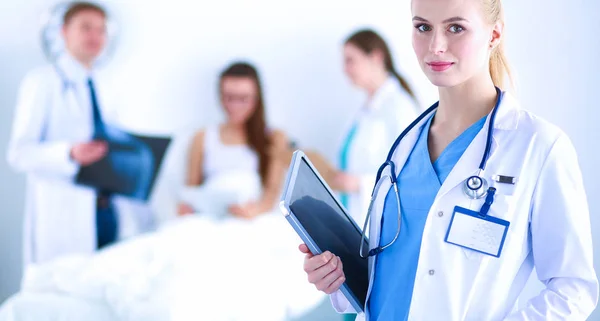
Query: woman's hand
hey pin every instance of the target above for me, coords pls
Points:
(346, 182)
(247, 211)
(325, 270)
(184, 209)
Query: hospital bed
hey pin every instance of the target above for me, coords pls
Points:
(224, 272)
(208, 266)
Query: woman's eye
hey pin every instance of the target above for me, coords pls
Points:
(456, 29)
(423, 28)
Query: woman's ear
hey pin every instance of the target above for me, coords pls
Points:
(497, 34)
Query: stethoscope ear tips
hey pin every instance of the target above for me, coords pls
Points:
(475, 187)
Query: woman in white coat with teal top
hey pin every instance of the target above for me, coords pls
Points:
(473, 195)
(390, 107)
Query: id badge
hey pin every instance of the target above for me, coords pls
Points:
(480, 233)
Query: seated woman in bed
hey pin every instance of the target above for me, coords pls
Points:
(242, 144)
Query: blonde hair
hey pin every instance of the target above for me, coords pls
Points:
(499, 67)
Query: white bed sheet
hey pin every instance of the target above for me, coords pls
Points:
(196, 268)
(46, 306)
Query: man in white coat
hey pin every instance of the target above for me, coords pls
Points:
(58, 114)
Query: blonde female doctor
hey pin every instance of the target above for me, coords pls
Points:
(474, 194)
(390, 107)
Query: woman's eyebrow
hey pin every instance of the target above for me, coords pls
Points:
(453, 19)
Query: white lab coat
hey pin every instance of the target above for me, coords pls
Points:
(54, 112)
(549, 230)
(379, 123)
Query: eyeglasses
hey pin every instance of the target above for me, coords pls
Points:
(230, 98)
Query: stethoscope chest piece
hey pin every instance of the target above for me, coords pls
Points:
(475, 187)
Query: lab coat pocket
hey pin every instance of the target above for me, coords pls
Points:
(502, 208)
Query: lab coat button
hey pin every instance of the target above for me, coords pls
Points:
(431, 272)
(440, 213)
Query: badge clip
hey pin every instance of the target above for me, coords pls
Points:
(505, 179)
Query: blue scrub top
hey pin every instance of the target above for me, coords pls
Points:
(418, 184)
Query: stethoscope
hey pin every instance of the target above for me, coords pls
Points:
(66, 83)
(66, 86)
(474, 187)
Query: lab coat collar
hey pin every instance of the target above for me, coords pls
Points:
(72, 70)
(507, 116)
(468, 165)
(403, 150)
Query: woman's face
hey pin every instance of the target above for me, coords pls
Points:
(452, 40)
(360, 66)
(239, 96)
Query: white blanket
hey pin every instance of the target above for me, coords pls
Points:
(196, 269)
(203, 267)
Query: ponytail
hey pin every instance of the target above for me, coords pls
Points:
(498, 62)
(499, 68)
(403, 83)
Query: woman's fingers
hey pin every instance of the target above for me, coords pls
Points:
(327, 281)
